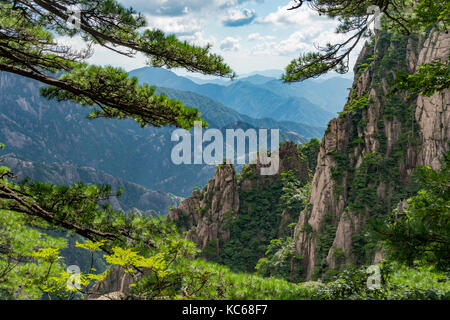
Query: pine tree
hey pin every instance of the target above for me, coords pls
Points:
(421, 231)
(28, 46)
(30, 264)
(355, 21)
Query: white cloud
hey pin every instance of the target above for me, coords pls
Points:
(183, 25)
(254, 36)
(199, 39)
(305, 20)
(293, 44)
(312, 30)
(258, 37)
(103, 56)
(238, 18)
(181, 7)
(298, 42)
(230, 44)
(285, 17)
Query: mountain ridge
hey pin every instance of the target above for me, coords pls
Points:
(369, 153)
(46, 131)
(256, 101)
(148, 202)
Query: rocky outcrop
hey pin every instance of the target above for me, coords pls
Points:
(433, 113)
(205, 213)
(209, 214)
(116, 285)
(369, 152)
(116, 295)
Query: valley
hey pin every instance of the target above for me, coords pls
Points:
(155, 163)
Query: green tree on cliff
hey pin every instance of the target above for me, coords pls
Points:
(421, 231)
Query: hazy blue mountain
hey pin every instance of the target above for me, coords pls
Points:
(135, 196)
(164, 78)
(254, 78)
(218, 116)
(271, 73)
(259, 102)
(220, 81)
(328, 91)
(256, 101)
(330, 94)
(257, 79)
(46, 131)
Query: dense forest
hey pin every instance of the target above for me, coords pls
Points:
(362, 214)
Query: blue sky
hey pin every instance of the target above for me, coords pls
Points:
(251, 35)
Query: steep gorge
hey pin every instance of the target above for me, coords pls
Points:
(369, 153)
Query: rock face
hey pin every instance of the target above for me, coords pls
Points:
(369, 152)
(226, 214)
(205, 212)
(116, 286)
(433, 113)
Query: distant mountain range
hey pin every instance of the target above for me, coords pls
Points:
(219, 116)
(42, 131)
(330, 94)
(134, 197)
(269, 74)
(313, 102)
(244, 97)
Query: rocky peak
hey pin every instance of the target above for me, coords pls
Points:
(369, 152)
(203, 215)
(220, 213)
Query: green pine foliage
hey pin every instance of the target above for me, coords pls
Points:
(355, 21)
(310, 150)
(21, 276)
(430, 78)
(29, 48)
(420, 234)
(281, 261)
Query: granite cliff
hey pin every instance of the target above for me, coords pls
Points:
(370, 151)
(235, 216)
(364, 171)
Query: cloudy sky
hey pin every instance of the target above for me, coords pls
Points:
(251, 35)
